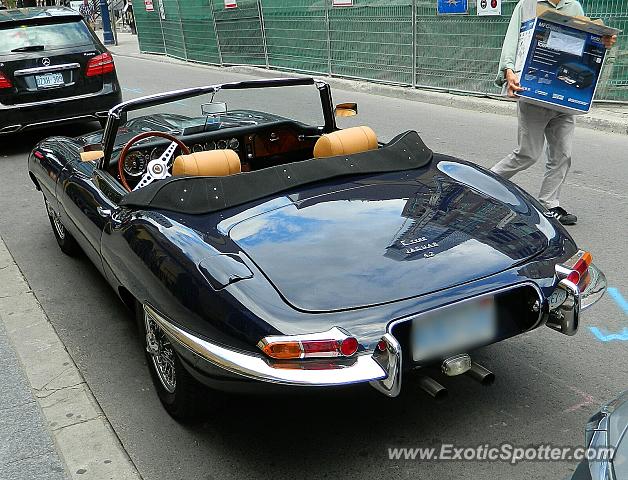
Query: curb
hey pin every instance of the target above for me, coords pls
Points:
(83, 436)
(595, 120)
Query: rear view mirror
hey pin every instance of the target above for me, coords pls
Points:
(346, 110)
(214, 108)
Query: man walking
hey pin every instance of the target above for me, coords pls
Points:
(538, 124)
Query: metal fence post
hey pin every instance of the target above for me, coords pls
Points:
(211, 4)
(414, 25)
(161, 27)
(185, 47)
(263, 28)
(328, 28)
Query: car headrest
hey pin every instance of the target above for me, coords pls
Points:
(346, 142)
(211, 163)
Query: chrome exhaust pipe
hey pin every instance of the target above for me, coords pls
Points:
(10, 128)
(433, 388)
(479, 373)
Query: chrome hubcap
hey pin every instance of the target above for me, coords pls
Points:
(60, 229)
(161, 353)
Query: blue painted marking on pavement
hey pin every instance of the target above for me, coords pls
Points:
(133, 90)
(608, 337)
(619, 299)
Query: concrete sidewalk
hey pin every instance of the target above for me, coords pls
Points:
(606, 117)
(51, 426)
(27, 450)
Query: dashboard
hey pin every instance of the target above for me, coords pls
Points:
(137, 159)
(257, 146)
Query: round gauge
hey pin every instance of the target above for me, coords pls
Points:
(135, 163)
(156, 153)
(221, 144)
(234, 143)
(198, 148)
(211, 145)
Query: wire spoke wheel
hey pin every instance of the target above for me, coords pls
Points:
(162, 355)
(56, 222)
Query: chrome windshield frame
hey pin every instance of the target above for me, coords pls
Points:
(117, 113)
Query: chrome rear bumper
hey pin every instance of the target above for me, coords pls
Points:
(382, 369)
(565, 318)
(257, 367)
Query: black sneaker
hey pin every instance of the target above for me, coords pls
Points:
(563, 216)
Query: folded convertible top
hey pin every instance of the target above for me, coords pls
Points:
(196, 195)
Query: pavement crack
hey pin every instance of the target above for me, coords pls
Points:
(52, 391)
(45, 385)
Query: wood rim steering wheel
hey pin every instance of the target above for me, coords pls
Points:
(157, 169)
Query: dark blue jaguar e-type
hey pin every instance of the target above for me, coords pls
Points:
(257, 249)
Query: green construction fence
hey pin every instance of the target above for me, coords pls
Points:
(401, 42)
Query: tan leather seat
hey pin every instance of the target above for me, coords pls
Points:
(92, 155)
(212, 163)
(346, 142)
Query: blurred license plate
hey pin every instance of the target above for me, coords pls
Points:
(453, 329)
(49, 80)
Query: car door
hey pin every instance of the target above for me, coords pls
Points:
(87, 199)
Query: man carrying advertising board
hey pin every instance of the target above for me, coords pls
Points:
(538, 124)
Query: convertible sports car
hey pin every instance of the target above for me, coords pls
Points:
(259, 250)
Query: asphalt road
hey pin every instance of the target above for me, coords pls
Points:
(547, 384)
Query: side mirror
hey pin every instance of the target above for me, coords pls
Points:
(214, 108)
(346, 110)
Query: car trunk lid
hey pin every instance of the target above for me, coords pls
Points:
(391, 240)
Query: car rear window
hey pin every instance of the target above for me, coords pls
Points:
(51, 36)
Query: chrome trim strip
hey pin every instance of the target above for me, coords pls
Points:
(476, 297)
(391, 360)
(257, 367)
(19, 106)
(51, 68)
(47, 122)
(594, 291)
(391, 385)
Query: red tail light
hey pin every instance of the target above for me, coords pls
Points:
(4, 81)
(574, 269)
(334, 343)
(100, 65)
(579, 268)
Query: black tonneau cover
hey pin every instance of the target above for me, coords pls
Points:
(196, 195)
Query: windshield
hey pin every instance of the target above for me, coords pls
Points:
(228, 109)
(44, 37)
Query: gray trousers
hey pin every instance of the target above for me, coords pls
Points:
(536, 125)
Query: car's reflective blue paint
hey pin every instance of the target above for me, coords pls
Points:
(324, 255)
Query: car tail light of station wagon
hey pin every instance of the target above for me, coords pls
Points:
(333, 343)
(100, 64)
(4, 81)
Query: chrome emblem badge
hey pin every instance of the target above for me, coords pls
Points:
(45, 62)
